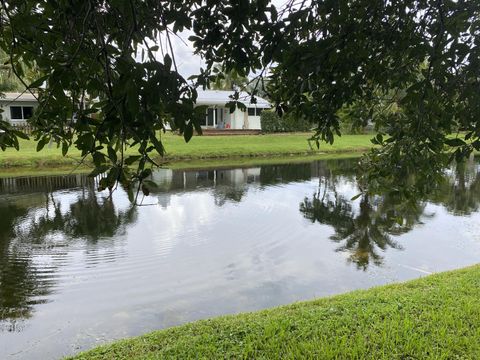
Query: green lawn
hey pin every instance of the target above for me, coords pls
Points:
(200, 147)
(436, 317)
(254, 145)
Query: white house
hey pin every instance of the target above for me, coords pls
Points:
(17, 107)
(218, 116)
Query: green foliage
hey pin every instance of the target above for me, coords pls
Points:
(435, 317)
(9, 136)
(230, 80)
(331, 55)
(105, 88)
(272, 123)
(111, 80)
(293, 123)
(9, 82)
(353, 119)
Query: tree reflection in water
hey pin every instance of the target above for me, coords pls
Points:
(365, 231)
(90, 217)
(25, 229)
(16, 272)
(36, 226)
(460, 191)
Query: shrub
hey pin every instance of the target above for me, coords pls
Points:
(292, 123)
(271, 122)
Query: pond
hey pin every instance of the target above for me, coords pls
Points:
(79, 268)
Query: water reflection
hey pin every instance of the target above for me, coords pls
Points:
(241, 224)
(34, 225)
(18, 283)
(364, 230)
(460, 190)
(90, 217)
(231, 185)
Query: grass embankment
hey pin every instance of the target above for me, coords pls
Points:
(200, 147)
(196, 164)
(436, 317)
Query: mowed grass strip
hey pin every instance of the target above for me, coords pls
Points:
(189, 165)
(436, 317)
(200, 147)
(259, 145)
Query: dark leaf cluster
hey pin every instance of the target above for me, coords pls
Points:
(110, 80)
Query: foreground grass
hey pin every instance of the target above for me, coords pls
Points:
(200, 147)
(436, 317)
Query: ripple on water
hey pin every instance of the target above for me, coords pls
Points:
(203, 251)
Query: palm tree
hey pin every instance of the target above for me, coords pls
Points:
(8, 79)
(230, 80)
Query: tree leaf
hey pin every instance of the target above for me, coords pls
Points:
(188, 132)
(455, 142)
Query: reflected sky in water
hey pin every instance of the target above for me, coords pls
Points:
(79, 268)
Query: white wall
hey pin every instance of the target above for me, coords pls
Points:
(240, 117)
(254, 123)
(237, 119)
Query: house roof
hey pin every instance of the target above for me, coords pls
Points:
(221, 97)
(205, 97)
(17, 97)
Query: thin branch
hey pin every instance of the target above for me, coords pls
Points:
(170, 44)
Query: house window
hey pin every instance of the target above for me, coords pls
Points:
(21, 112)
(211, 117)
(254, 111)
(27, 112)
(16, 113)
(203, 122)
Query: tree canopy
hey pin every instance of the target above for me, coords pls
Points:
(110, 78)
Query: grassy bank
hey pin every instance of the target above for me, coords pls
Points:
(200, 147)
(194, 164)
(436, 317)
(238, 162)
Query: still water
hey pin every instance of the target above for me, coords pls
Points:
(78, 269)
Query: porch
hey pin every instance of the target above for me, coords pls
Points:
(228, 132)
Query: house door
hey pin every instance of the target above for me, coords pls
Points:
(220, 119)
(211, 117)
(246, 125)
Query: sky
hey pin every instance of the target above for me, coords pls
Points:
(187, 62)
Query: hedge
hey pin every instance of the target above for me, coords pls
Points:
(271, 123)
